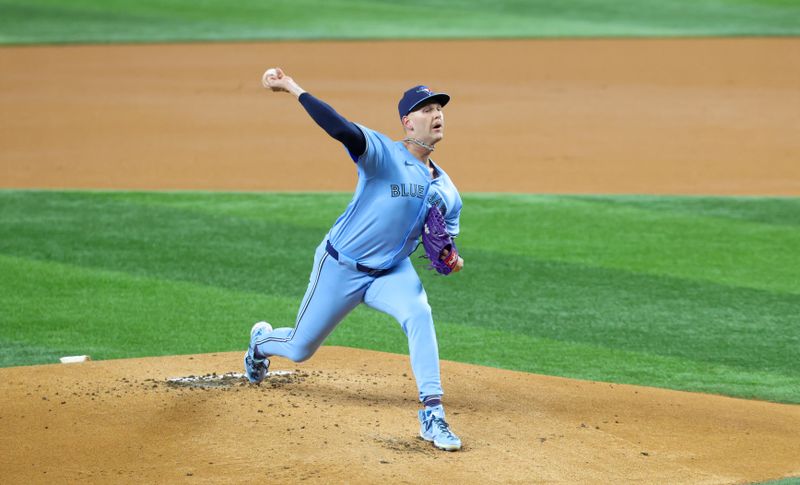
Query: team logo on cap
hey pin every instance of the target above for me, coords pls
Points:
(424, 89)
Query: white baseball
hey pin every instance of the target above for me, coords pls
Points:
(269, 72)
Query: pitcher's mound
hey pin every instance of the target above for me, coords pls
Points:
(229, 379)
(350, 416)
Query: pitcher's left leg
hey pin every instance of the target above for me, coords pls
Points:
(401, 295)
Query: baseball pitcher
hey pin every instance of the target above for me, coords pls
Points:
(401, 196)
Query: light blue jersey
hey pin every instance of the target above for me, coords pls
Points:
(382, 224)
(379, 229)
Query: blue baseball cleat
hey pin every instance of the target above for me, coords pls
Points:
(256, 369)
(433, 427)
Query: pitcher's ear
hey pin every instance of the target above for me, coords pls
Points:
(407, 125)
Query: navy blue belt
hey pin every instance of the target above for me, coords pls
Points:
(372, 272)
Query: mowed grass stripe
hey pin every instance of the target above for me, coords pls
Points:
(663, 316)
(743, 242)
(138, 235)
(54, 309)
(678, 237)
(520, 303)
(55, 21)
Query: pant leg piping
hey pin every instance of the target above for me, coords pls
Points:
(302, 310)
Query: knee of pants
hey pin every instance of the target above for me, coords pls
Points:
(420, 317)
(302, 353)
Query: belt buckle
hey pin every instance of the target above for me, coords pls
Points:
(370, 271)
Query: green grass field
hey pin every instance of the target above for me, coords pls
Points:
(785, 481)
(692, 293)
(89, 21)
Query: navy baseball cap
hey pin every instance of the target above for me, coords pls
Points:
(416, 96)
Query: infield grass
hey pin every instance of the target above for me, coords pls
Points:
(785, 481)
(91, 21)
(692, 293)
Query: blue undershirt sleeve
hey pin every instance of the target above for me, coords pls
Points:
(335, 125)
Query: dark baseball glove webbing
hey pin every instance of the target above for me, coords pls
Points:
(439, 246)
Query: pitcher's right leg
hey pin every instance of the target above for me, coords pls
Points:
(333, 291)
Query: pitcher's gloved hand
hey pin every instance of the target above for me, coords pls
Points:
(439, 246)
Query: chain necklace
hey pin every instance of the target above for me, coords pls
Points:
(420, 143)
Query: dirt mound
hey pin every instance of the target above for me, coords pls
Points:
(349, 416)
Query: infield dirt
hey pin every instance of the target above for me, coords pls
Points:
(717, 116)
(657, 116)
(349, 416)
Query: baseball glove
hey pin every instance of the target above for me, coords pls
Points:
(436, 240)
